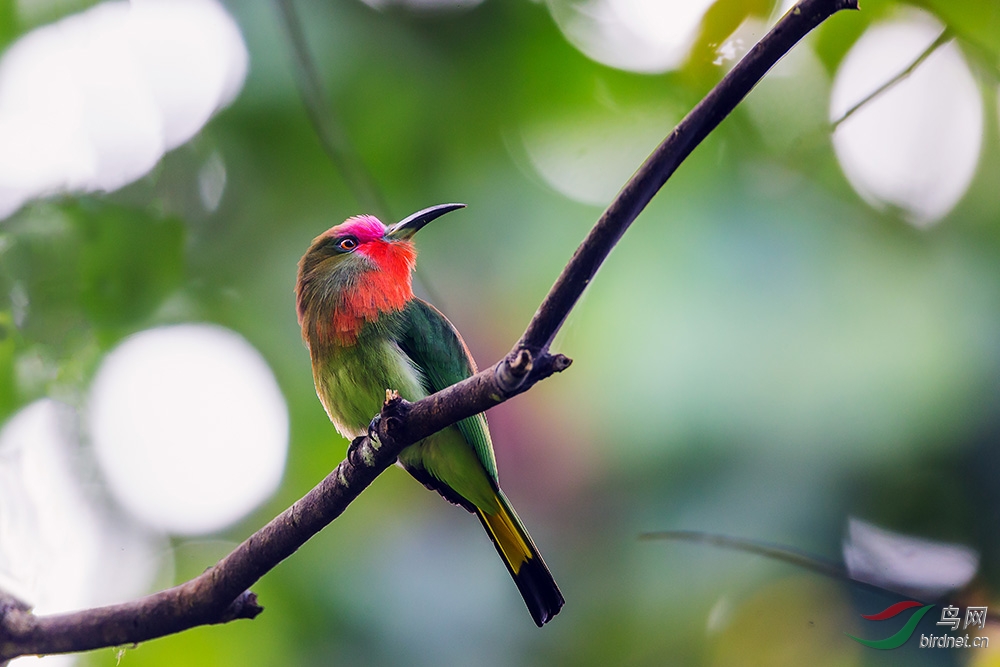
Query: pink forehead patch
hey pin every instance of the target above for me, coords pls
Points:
(363, 227)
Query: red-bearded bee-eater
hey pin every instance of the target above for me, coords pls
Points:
(367, 333)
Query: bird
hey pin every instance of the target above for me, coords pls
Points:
(367, 333)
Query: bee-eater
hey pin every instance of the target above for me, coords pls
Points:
(367, 333)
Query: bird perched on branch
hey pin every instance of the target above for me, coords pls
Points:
(367, 333)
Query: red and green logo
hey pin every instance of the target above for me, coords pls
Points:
(905, 632)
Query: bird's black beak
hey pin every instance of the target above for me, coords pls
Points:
(409, 226)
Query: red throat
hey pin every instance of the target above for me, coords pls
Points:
(385, 289)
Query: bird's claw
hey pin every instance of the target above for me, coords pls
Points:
(354, 449)
(373, 427)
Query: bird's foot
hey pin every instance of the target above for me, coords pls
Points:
(355, 450)
(373, 428)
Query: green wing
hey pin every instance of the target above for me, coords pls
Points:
(437, 349)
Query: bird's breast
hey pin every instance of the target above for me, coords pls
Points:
(351, 381)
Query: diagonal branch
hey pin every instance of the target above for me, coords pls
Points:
(663, 162)
(220, 594)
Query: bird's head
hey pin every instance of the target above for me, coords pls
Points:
(357, 270)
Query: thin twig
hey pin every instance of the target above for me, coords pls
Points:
(765, 549)
(781, 553)
(219, 594)
(332, 136)
(942, 39)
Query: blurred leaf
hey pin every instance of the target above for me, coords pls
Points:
(836, 37)
(90, 265)
(129, 261)
(975, 22)
(8, 23)
(721, 20)
(34, 13)
(794, 621)
(8, 334)
(41, 268)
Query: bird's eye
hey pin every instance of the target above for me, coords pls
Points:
(347, 244)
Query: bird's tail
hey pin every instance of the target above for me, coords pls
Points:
(525, 564)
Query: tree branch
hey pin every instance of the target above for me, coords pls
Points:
(221, 594)
(663, 162)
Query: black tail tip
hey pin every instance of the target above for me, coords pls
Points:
(543, 616)
(539, 590)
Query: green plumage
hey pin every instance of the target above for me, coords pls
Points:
(416, 352)
(434, 345)
(367, 333)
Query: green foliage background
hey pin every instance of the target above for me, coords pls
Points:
(764, 355)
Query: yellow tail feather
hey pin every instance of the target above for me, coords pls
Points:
(514, 548)
(531, 576)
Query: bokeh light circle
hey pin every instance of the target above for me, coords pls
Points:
(189, 427)
(91, 102)
(61, 548)
(648, 36)
(587, 156)
(916, 145)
